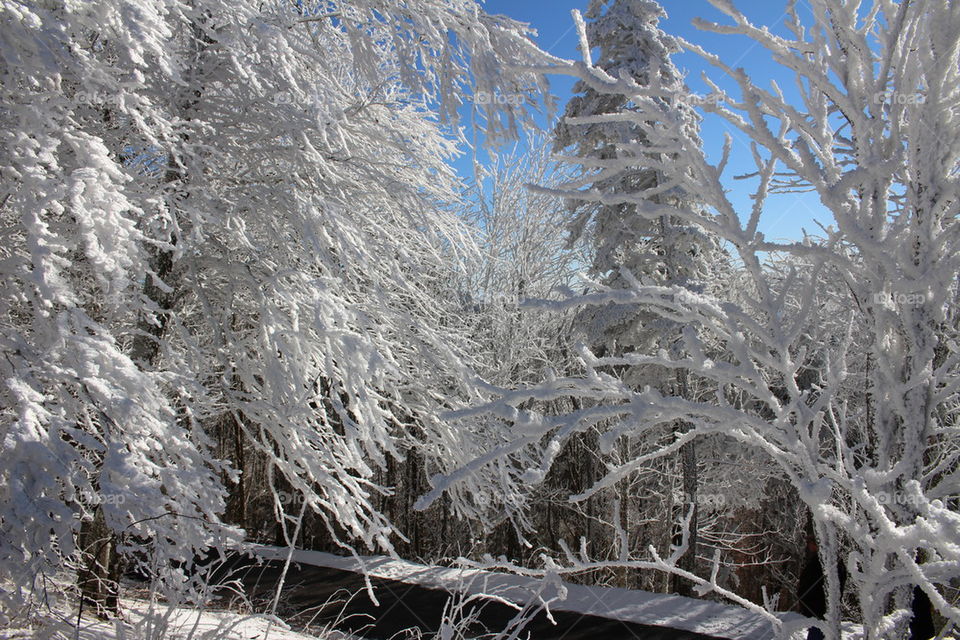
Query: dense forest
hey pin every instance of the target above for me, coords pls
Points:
(247, 298)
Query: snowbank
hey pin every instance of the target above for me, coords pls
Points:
(641, 607)
(143, 622)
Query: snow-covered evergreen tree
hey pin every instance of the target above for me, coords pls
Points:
(629, 44)
(874, 133)
(626, 246)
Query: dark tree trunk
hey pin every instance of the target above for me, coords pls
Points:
(232, 444)
(921, 625)
(98, 577)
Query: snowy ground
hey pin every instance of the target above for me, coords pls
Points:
(142, 620)
(677, 612)
(171, 624)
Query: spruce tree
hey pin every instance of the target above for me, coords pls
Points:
(629, 45)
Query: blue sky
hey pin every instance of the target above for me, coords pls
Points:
(785, 216)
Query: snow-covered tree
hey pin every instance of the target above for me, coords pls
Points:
(874, 133)
(523, 254)
(628, 44)
(220, 209)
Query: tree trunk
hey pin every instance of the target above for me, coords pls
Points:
(99, 574)
(691, 481)
(232, 444)
(98, 577)
(688, 561)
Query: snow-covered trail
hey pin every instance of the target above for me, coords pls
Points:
(636, 614)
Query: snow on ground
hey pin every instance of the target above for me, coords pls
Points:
(641, 607)
(143, 621)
